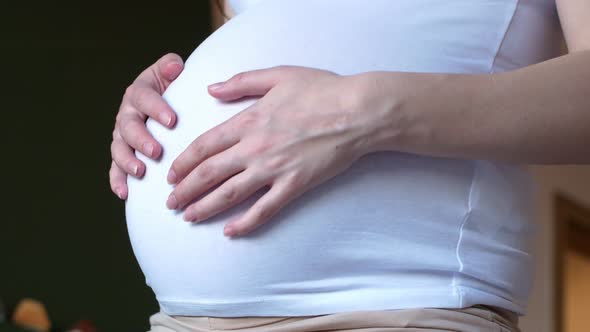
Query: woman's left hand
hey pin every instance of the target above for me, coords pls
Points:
(309, 126)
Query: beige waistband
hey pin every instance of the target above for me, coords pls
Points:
(477, 318)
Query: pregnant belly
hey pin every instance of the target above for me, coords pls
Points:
(368, 216)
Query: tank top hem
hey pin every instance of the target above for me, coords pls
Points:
(451, 297)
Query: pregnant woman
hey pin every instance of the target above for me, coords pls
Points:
(358, 165)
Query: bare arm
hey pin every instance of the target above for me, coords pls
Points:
(539, 114)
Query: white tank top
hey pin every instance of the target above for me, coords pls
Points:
(395, 230)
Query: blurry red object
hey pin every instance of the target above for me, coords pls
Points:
(83, 326)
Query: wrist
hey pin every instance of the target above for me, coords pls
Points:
(389, 102)
(420, 113)
(366, 95)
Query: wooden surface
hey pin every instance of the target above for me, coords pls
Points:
(572, 233)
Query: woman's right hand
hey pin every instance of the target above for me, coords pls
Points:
(142, 99)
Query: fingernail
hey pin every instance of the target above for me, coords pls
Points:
(148, 149)
(166, 119)
(120, 193)
(171, 177)
(134, 168)
(171, 203)
(229, 230)
(216, 86)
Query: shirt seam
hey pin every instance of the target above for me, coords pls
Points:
(466, 218)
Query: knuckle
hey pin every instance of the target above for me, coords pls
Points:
(198, 150)
(261, 213)
(129, 91)
(113, 178)
(239, 78)
(207, 172)
(296, 180)
(120, 117)
(112, 173)
(116, 150)
(229, 194)
(115, 133)
(261, 147)
(256, 213)
(116, 177)
(338, 122)
(219, 134)
(277, 162)
(248, 119)
(113, 149)
(126, 128)
(141, 96)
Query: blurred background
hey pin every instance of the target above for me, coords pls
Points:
(63, 238)
(65, 67)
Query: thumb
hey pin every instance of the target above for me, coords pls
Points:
(248, 84)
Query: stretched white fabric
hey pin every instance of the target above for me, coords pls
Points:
(395, 230)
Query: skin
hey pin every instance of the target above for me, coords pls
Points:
(539, 114)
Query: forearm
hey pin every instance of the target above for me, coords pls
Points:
(535, 115)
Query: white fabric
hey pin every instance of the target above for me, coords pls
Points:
(239, 6)
(395, 230)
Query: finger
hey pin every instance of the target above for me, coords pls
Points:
(134, 132)
(145, 94)
(141, 97)
(125, 159)
(209, 143)
(231, 192)
(267, 206)
(162, 73)
(251, 83)
(208, 174)
(118, 181)
(169, 67)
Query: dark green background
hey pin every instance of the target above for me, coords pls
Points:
(64, 68)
